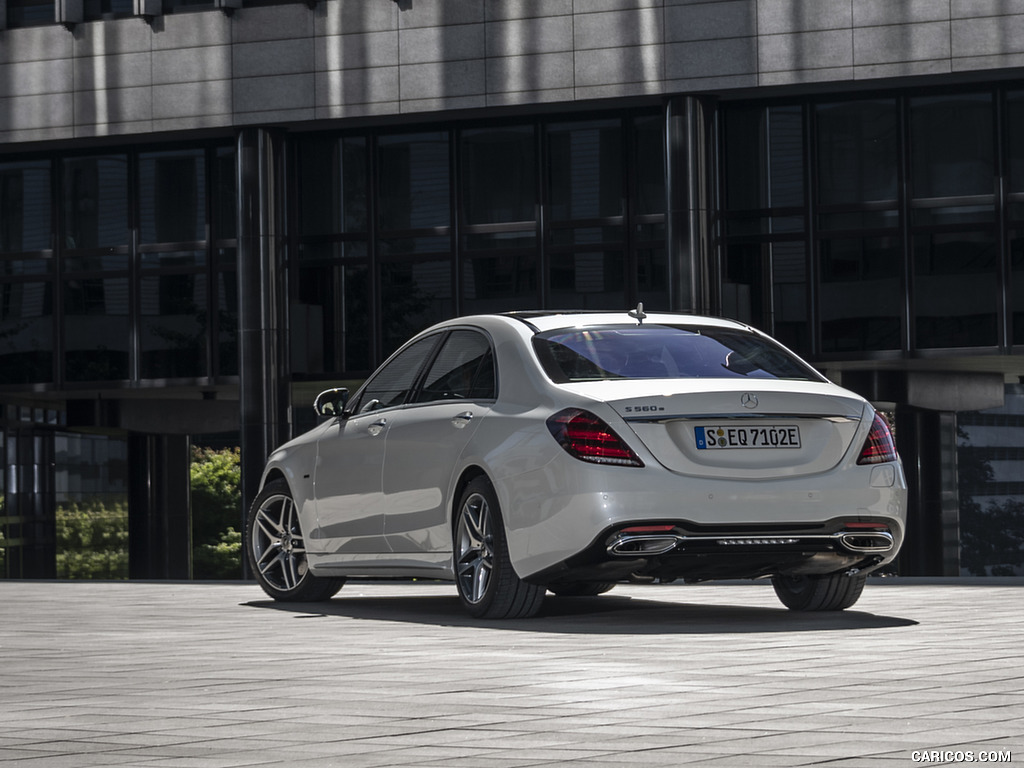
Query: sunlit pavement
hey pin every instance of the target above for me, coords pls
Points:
(394, 674)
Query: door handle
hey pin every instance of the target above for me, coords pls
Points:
(462, 419)
(377, 427)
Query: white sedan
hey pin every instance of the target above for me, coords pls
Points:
(529, 452)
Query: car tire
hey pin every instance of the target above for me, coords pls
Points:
(488, 585)
(581, 588)
(831, 592)
(276, 549)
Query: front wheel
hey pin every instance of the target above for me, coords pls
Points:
(277, 551)
(488, 585)
(830, 592)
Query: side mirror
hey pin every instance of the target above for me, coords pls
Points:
(331, 403)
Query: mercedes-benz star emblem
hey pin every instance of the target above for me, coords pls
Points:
(748, 400)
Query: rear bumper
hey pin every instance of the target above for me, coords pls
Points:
(667, 551)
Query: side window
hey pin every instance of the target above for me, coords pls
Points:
(464, 368)
(392, 384)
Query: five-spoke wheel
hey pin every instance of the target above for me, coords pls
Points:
(488, 584)
(277, 552)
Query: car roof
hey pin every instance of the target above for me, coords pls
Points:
(549, 320)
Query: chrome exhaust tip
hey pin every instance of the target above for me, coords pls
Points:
(866, 541)
(633, 545)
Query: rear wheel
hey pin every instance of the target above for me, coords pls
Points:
(488, 585)
(277, 551)
(830, 592)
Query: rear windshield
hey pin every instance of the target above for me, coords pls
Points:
(664, 352)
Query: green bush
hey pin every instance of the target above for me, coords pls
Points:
(92, 540)
(216, 477)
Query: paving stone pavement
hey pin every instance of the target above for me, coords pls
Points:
(214, 675)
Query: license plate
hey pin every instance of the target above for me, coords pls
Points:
(747, 437)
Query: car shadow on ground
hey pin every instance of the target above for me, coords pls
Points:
(606, 614)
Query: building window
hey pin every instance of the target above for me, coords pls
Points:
(764, 273)
(26, 273)
(499, 203)
(860, 252)
(955, 258)
(330, 303)
(30, 13)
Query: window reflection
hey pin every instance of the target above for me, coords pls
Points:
(951, 145)
(25, 219)
(955, 290)
(96, 329)
(858, 145)
(172, 197)
(414, 181)
(26, 339)
(585, 171)
(173, 326)
(95, 202)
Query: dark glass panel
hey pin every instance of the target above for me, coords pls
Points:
(652, 278)
(746, 272)
(764, 157)
(854, 220)
(861, 294)
(961, 214)
(330, 319)
(106, 261)
(413, 297)
(499, 175)
(26, 223)
(585, 170)
(30, 13)
(176, 6)
(951, 145)
(172, 197)
(649, 165)
(329, 251)
(413, 181)
(590, 280)
(858, 151)
(17, 267)
(500, 283)
(95, 191)
(1017, 287)
(172, 259)
(955, 290)
(462, 370)
(173, 326)
(227, 323)
(494, 241)
(1014, 139)
(790, 302)
(587, 236)
(108, 9)
(225, 215)
(332, 185)
(414, 246)
(96, 329)
(26, 341)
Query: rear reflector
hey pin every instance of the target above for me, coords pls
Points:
(879, 447)
(588, 438)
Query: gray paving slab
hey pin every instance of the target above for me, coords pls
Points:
(214, 675)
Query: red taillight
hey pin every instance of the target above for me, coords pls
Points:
(588, 438)
(878, 448)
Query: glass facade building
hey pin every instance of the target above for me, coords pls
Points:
(158, 283)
